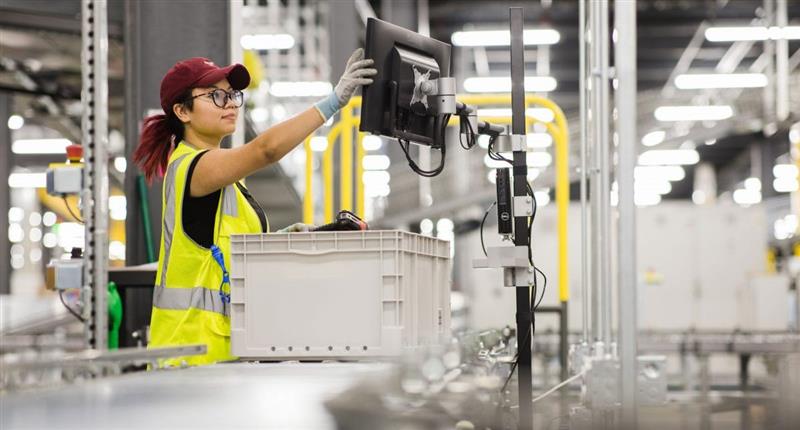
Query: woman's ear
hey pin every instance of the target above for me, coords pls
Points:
(181, 112)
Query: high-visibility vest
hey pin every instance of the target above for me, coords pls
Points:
(187, 305)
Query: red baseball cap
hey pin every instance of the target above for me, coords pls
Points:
(199, 72)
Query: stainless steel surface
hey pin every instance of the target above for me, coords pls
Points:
(602, 384)
(20, 315)
(119, 356)
(651, 388)
(625, 65)
(94, 67)
(695, 343)
(238, 395)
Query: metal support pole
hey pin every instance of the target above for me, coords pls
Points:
(602, 158)
(769, 51)
(521, 229)
(782, 63)
(5, 193)
(594, 180)
(604, 124)
(94, 196)
(625, 62)
(585, 268)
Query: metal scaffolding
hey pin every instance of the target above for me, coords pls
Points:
(94, 196)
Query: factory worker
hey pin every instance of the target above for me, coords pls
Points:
(203, 198)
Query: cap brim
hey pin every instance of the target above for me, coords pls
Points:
(236, 74)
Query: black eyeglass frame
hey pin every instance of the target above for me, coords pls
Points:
(229, 96)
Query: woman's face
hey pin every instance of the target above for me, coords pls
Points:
(206, 117)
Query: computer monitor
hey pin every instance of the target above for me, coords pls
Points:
(389, 105)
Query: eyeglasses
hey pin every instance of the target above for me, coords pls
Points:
(221, 97)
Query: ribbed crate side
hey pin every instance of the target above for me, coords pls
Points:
(303, 314)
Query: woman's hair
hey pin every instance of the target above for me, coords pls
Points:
(159, 134)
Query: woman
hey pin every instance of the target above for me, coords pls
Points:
(203, 199)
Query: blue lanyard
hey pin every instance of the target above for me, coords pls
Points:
(220, 259)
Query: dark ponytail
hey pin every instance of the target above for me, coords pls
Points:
(160, 133)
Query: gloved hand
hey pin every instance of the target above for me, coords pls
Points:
(357, 73)
(297, 227)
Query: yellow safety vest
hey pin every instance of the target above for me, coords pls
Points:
(187, 305)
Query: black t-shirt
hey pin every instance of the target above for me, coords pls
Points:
(199, 212)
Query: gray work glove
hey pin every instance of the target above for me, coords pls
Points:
(297, 227)
(358, 72)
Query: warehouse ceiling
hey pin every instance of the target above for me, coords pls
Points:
(40, 60)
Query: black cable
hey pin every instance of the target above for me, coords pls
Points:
(483, 221)
(544, 287)
(495, 155)
(69, 208)
(72, 311)
(472, 139)
(405, 146)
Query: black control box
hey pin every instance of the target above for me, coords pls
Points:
(505, 214)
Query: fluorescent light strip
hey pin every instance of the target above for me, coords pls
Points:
(646, 199)
(40, 146)
(539, 140)
(300, 89)
(668, 173)
(669, 157)
(720, 80)
(503, 37)
(746, 197)
(785, 171)
(542, 114)
(27, 180)
(693, 113)
(264, 42)
(652, 186)
(376, 162)
(499, 84)
(319, 143)
(371, 143)
(735, 34)
(654, 138)
(377, 177)
(534, 159)
(785, 184)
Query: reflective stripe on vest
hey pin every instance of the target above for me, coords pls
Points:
(182, 299)
(229, 205)
(169, 213)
